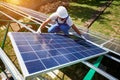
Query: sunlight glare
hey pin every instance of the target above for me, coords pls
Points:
(14, 1)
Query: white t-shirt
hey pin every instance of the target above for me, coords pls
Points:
(54, 16)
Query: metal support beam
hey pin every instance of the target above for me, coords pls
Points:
(113, 58)
(18, 22)
(103, 73)
(3, 42)
(91, 72)
(10, 66)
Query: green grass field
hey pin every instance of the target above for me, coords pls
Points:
(108, 23)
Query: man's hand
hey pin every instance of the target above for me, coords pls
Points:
(39, 30)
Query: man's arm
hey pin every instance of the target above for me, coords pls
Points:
(76, 29)
(44, 24)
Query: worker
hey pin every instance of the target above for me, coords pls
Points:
(61, 21)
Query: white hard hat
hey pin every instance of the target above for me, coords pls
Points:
(62, 12)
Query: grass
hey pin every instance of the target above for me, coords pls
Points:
(108, 23)
(81, 12)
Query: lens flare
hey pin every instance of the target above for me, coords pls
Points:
(14, 1)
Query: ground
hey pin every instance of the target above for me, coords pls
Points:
(51, 7)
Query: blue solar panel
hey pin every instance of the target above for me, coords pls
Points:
(38, 53)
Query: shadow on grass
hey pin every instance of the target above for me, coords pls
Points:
(91, 2)
(86, 13)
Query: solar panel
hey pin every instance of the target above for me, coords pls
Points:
(108, 43)
(95, 39)
(113, 45)
(38, 53)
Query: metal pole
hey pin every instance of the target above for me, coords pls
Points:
(3, 42)
(91, 72)
(103, 73)
(2, 46)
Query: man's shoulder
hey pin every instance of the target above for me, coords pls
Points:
(53, 14)
(69, 18)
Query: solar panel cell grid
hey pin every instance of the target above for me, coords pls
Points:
(41, 52)
(29, 56)
(34, 66)
(117, 49)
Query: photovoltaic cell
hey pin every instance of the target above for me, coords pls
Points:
(113, 45)
(95, 39)
(39, 53)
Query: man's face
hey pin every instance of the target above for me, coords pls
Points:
(62, 19)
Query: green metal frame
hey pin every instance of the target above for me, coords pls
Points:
(91, 72)
(5, 36)
(2, 46)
